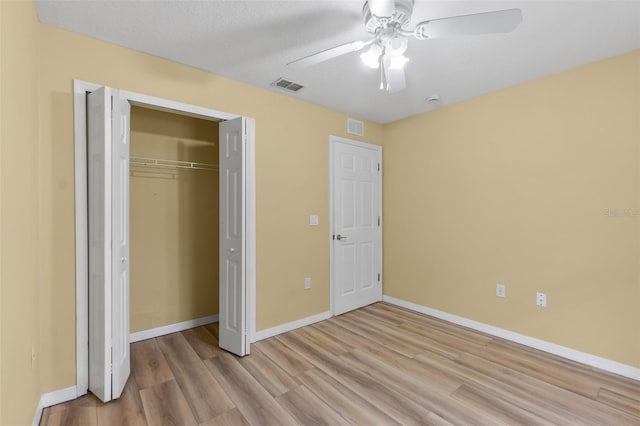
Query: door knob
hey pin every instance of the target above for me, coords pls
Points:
(340, 237)
(232, 250)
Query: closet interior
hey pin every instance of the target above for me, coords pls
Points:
(173, 218)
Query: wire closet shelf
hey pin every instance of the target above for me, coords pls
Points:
(157, 162)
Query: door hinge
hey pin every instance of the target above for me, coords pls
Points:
(333, 237)
(378, 277)
(378, 166)
(378, 221)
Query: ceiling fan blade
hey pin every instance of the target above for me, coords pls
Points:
(382, 8)
(325, 55)
(500, 21)
(396, 81)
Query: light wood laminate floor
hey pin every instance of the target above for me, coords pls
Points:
(380, 365)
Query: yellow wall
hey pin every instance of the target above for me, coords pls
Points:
(174, 221)
(20, 219)
(512, 188)
(292, 150)
(1, 118)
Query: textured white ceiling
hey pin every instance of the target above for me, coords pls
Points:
(251, 41)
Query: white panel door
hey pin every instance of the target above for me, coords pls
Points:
(108, 197)
(120, 244)
(232, 322)
(357, 236)
(99, 200)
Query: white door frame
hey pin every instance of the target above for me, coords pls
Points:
(80, 89)
(332, 141)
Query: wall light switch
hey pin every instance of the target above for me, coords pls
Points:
(313, 220)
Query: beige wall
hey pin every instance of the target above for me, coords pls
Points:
(20, 219)
(174, 220)
(1, 138)
(512, 188)
(292, 150)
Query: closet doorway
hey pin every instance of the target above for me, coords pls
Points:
(154, 179)
(174, 221)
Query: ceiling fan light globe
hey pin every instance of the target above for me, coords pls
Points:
(398, 45)
(397, 62)
(371, 57)
(369, 60)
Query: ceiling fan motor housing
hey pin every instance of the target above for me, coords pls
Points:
(401, 16)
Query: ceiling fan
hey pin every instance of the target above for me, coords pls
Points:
(386, 21)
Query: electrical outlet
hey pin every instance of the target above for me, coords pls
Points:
(307, 283)
(313, 220)
(541, 300)
(501, 291)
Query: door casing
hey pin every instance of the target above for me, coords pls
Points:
(80, 89)
(332, 141)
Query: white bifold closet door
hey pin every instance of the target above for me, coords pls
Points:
(233, 335)
(108, 119)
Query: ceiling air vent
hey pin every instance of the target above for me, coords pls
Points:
(287, 85)
(355, 127)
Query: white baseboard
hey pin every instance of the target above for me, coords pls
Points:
(53, 398)
(552, 348)
(283, 328)
(171, 328)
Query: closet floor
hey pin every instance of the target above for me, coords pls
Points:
(375, 366)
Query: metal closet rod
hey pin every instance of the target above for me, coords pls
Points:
(157, 162)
